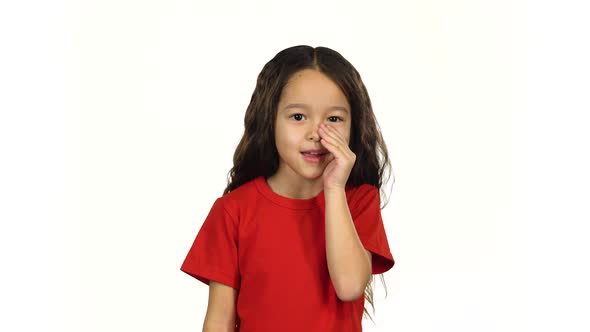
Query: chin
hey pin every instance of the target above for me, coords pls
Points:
(305, 171)
(311, 174)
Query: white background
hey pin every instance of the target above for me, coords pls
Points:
(119, 120)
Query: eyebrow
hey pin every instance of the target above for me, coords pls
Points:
(305, 106)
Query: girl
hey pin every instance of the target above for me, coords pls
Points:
(293, 242)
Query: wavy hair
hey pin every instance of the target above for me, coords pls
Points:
(256, 154)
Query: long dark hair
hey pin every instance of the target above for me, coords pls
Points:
(256, 154)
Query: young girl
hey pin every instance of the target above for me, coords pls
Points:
(294, 240)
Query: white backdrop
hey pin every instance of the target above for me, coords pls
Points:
(120, 118)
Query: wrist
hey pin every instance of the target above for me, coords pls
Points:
(334, 191)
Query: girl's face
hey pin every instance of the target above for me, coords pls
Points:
(308, 99)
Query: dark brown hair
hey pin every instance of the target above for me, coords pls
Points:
(256, 154)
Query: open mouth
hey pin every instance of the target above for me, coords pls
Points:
(313, 157)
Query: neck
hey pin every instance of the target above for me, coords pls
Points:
(295, 187)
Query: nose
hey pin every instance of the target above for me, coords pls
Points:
(314, 133)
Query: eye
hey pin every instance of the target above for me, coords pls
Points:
(336, 117)
(297, 115)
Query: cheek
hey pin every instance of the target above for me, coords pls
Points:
(344, 133)
(280, 142)
(285, 140)
(348, 133)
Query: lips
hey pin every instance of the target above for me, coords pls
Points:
(314, 157)
(315, 152)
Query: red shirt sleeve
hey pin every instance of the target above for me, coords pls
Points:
(366, 214)
(213, 254)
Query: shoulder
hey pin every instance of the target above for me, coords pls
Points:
(237, 198)
(361, 191)
(362, 195)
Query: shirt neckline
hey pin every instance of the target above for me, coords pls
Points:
(291, 203)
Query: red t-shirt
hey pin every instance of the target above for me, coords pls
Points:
(272, 249)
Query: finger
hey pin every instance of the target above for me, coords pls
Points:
(343, 143)
(335, 148)
(331, 146)
(330, 138)
(336, 139)
(332, 132)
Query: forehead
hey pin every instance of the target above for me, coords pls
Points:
(312, 89)
(308, 107)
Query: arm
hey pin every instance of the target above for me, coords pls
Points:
(221, 309)
(349, 263)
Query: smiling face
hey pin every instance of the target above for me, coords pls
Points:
(308, 99)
